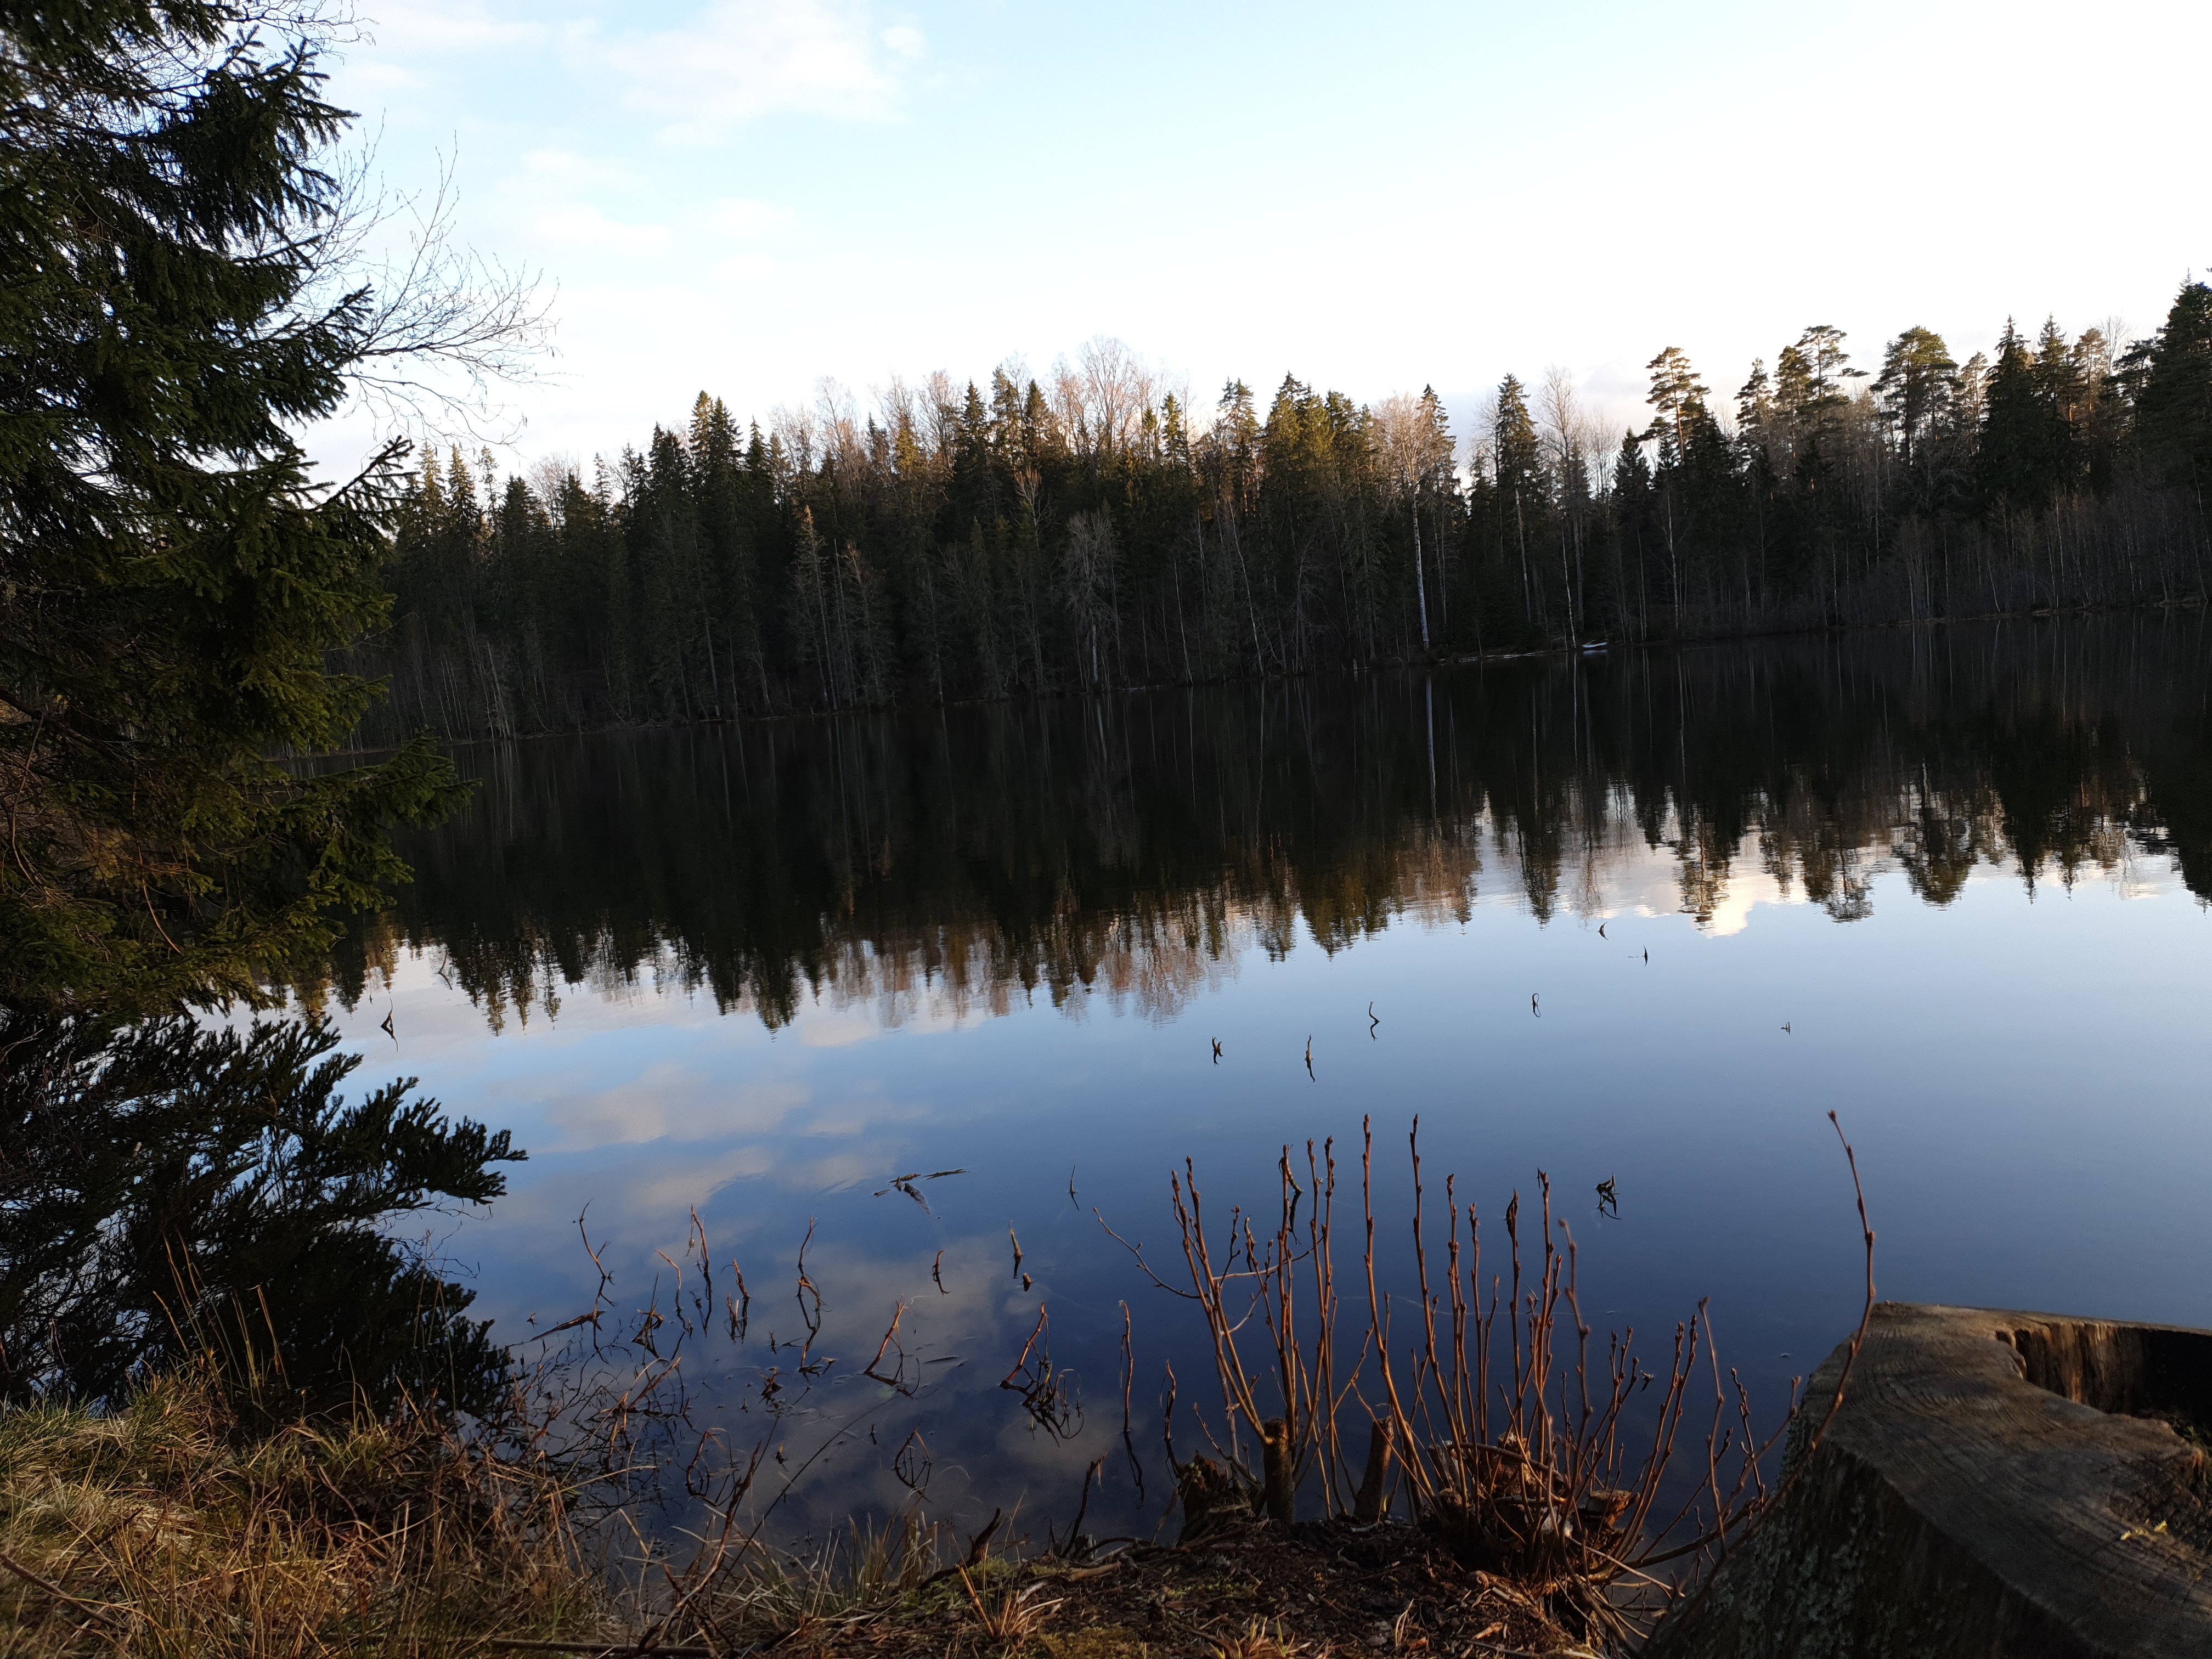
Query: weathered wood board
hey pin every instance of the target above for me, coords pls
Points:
(1981, 1494)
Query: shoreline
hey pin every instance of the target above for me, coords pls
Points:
(1558, 652)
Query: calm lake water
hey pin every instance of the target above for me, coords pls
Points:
(1950, 884)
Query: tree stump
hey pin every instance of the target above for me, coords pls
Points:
(1995, 1484)
(1279, 1491)
(1373, 1495)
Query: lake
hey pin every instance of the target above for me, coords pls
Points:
(1639, 917)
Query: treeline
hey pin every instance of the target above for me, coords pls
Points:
(979, 542)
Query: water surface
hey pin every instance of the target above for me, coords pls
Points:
(1950, 884)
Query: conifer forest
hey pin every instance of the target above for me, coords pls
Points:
(1085, 530)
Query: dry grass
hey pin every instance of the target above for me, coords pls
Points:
(1260, 1639)
(1010, 1614)
(159, 1530)
(1319, 1589)
(769, 1600)
(165, 1529)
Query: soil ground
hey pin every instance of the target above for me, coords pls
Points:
(1257, 1591)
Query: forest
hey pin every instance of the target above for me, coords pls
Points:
(1088, 532)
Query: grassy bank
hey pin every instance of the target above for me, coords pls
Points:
(167, 1528)
(170, 1527)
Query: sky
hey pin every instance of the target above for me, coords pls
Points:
(745, 197)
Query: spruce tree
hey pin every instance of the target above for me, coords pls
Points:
(2064, 389)
(173, 1190)
(2173, 414)
(1523, 501)
(2014, 463)
(1634, 533)
(172, 581)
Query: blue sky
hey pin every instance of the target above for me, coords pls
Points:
(748, 196)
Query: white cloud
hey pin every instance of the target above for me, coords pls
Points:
(735, 215)
(373, 84)
(669, 1099)
(742, 58)
(838, 1029)
(399, 27)
(583, 224)
(565, 167)
(1748, 885)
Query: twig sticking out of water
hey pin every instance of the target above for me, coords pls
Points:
(1866, 1314)
(1128, 1382)
(905, 1184)
(1045, 1394)
(896, 1379)
(1764, 1503)
(810, 1299)
(911, 1467)
(740, 1308)
(1065, 1547)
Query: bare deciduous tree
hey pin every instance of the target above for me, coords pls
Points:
(1416, 454)
(437, 326)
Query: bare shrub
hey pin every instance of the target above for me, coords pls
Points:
(1490, 1414)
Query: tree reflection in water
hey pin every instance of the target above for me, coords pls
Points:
(170, 1194)
(963, 858)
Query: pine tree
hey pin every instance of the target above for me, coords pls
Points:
(1678, 398)
(1675, 388)
(171, 582)
(2101, 430)
(1915, 388)
(1756, 420)
(1821, 347)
